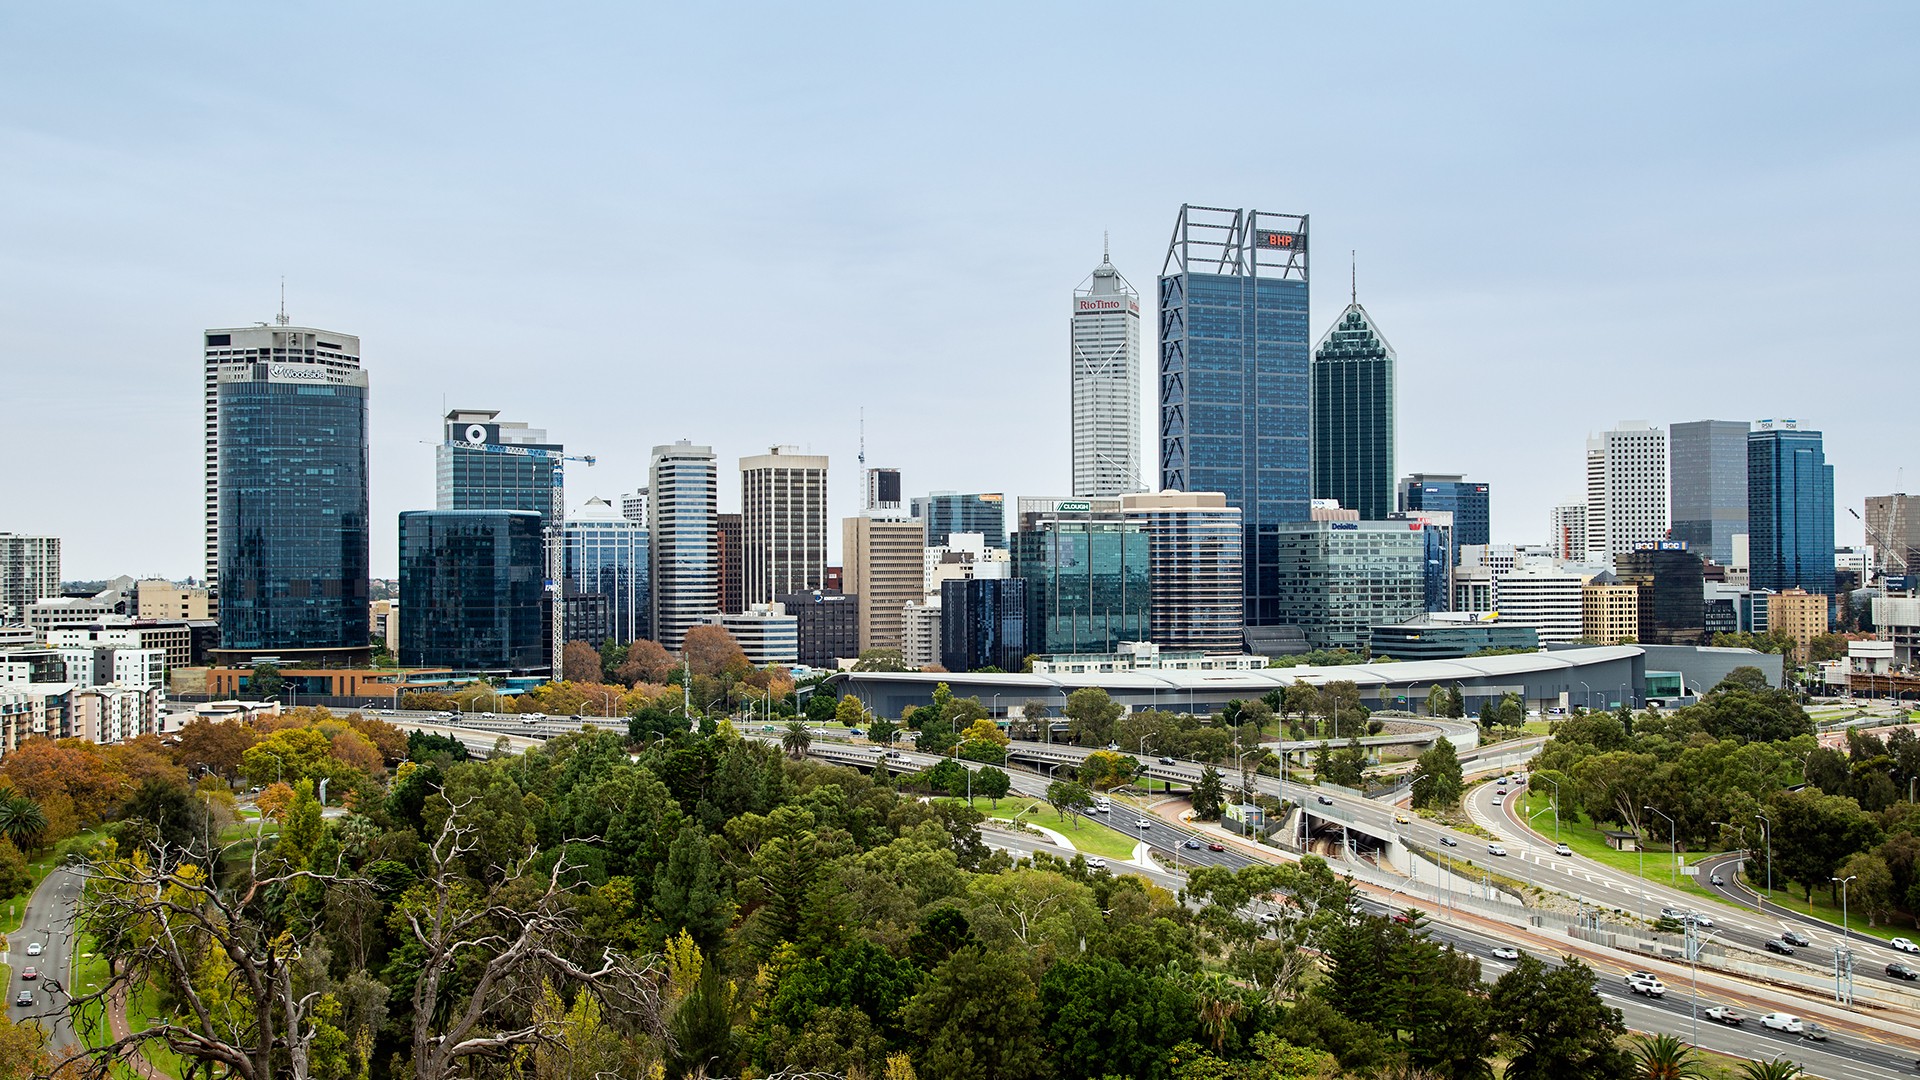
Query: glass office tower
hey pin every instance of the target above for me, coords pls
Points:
(1673, 599)
(1088, 588)
(983, 623)
(484, 464)
(606, 555)
(1343, 578)
(1234, 383)
(1789, 509)
(1453, 494)
(1353, 415)
(947, 512)
(471, 586)
(292, 513)
(1708, 459)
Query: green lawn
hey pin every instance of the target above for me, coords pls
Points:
(1087, 836)
(1587, 842)
(1789, 896)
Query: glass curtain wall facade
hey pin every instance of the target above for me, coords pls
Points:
(983, 623)
(1234, 381)
(1353, 416)
(1708, 485)
(1088, 587)
(683, 494)
(1468, 503)
(1672, 592)
(486, 465)
(471, 589)
(292, 510)
(606, 555)
(945, 513)
(1343, 578)
(1789, 509)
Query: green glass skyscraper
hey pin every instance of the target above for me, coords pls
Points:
(1353, 416)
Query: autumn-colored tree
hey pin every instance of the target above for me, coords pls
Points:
(389, 740)
(353, 749)
(711, 651)
(145, 758)
(300, 754)
(72, 772)
(646, 662)
(213, 744)
(580, 662)
(984, 730)
(274, 800)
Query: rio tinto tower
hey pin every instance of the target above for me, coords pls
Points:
(1106, 384)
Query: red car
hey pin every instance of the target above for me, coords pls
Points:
(1216, 846)
(29, 973)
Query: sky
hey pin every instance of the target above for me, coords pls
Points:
(743, 225)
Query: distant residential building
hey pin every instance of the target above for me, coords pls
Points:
(154, 599)
(1353, 415)
(1105, 377)
(109, 714)
(472, 584)
(1894, 533)
(1468, 502)
(383, 624)
(828, 625)
(182, 643)
(94, 665)
(983, 623)
(884, 566)
(29, 571)
(1610, 612)
(1438, 637)
(1340, 579)
(1789, 508)
(947, 512)
(1801, 614)
(292, 496)
(1193, 568)
(1088, 588)
(1672, 601)
(1626, 489)
(765, 632)
(682, 510)
(965, 556)
(606, 554)
(783, 500)
(1709, 485)
(1545, 598)
(920, 634)
(1234, 379)
(66, 612)
(1570, 531)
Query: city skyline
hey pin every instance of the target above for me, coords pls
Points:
(473, 272)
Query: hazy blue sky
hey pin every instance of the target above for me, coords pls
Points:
(739, 225)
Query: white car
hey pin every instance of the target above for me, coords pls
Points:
(1698, 919)
(1780, 1021)
(1499, 797)
(1647, 984)
(1505, 952)
(1142, 823)
(1096, 863)
(1904, 945)
(1268, 918)
(33, 948)
(1562, 849)
(1496, 849)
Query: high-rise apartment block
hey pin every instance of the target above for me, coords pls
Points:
(1789, 509)
(1193, 568)
(882, 563)
(29, 571)
(472, 586)
(1353, 416)
(289, 415)
(1467, 501)
(947, 512)
(1709, 485)
(1570, 531)
(227, 351)
(783, 501)
(606, 555)
(633, 506)
(1893, 533)
(682, 505)
(1626, 490)
(920, 634)
(1233, 378)
(1105, 344)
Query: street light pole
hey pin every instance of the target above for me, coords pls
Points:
(1673, 848)
(1843, 905)
(1556, 808)
(1766, 834)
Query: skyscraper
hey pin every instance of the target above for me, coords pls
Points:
(884, 565)
(947, 512)
(1105, 346)
(1193, 568)
(1088, 588)
(1234, 384)
(1455, 494)
(1570, 531)
(239, 348)
(1353, 415)
(606, 555)
(472, 584)
(783, 502)
(729, 541)
(1709, 474)
(683, 496)
(983, 623)
(1672, 593)
(292, 511)
(1789, 509)
(1626, 489)
(883, 489)
(1343, 578)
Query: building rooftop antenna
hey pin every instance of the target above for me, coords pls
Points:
(1106, 246)
(863, 436)
(281, 318)
(1353, 275)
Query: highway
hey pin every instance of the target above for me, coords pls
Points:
(48, 921)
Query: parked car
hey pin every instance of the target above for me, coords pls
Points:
(1562, 849)
(33, 948)
(1448, 841)
(1775, 945)
(1795, 937)
(1216, 846)
(1726, 1014)
(24, 999)
(1901, 971)
(1646, 984)
(1505, 952)
(1904, 945)
(1779, 1021)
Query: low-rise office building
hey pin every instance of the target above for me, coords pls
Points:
(765, 632)
(1801, 614)
(828, 625)
(1609, 611)
(1427, 637)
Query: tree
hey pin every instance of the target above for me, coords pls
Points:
(850, 712)
(1438, 700)
(992, 783)
(265, 683)
(213, 745)
(1437, 776)
(23, 1049)
(1103, 770)
(1745, 677)
(711, 651)
(1663, 1057)
(690, 892)
(22, 822)
(978, 1016)
(1066, 795)
(1090, 714)
(1104, 1019)
(1770, 1070)
(1558, 1023)
(880, 660)
(15, 878)
(1033, 715)
(580, 662)
(646, 662)
(796, 740)
(984, 741)
(290, 755)
(1209, 795)
(1814, 833)
(1730, 712)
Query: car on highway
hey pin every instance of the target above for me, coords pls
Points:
(1502, 781)
(24, 999)
(1448, 841)
(1795, 937)
(1166, 759)
(1096, 863)
(1811, 1030)
(1216, 846)
(1102, 806)
(33, 948)
(1902, 971)
(1775, 945)
(1904, 945)
(1499, 798)
(1268, 918)
(1698, 919)
(1646, 984)
(1323, 800)
(1779, 1021)
(1142, 823)
(29, 972)
(1726, 1014)
(1496, 850)
(1673, 913)
(1716, 880)
(1402, 819)
(1562, 849)
(1505, 952)
(1191, 844)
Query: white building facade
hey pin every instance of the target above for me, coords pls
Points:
(765, 632)
(783, 511)
(1627, 479)
(1541, 596)
(1105, 343)
(920, 634)
(683, 505)
(29, 571)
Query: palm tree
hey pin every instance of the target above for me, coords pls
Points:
(1769, 1070)
(796, 740)
(21, 820)
(1663, 1057)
